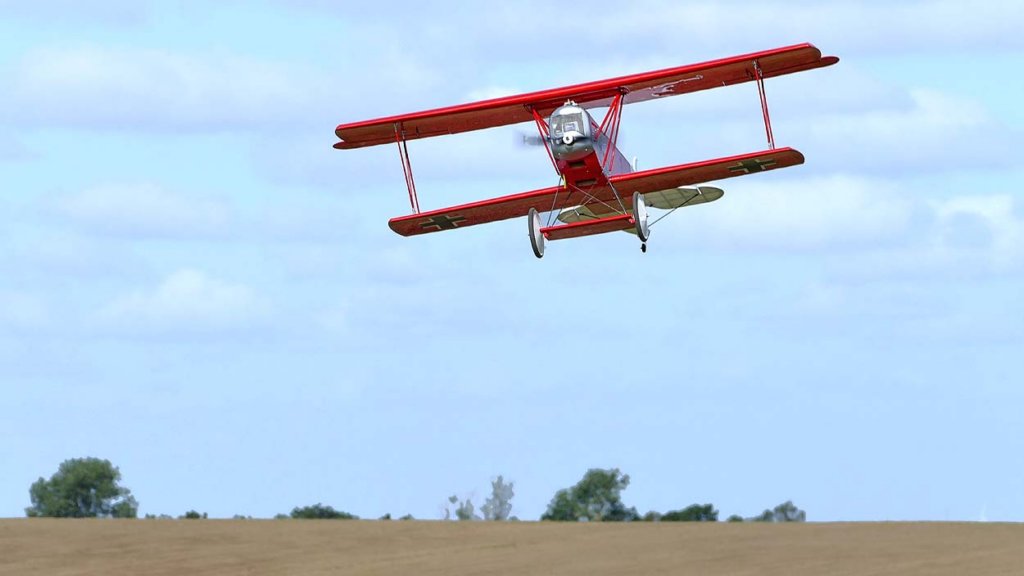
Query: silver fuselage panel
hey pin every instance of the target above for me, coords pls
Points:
(571, 132)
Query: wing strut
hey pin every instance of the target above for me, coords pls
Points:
(542, 127)
(759, 76)
(403, 152)
(610, 127)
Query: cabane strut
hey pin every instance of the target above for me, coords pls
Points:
(610, 127)
(542, 127)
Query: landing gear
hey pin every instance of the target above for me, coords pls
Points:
(536, 236)
(643, 247)
(640, 216)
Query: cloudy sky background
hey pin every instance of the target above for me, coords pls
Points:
(194, 285)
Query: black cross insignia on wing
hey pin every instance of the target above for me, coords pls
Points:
(751, 166)
(442, 222)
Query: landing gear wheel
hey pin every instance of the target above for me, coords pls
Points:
(640, 216)
(643, 247)
(536, 237)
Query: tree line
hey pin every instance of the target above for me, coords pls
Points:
(91, 488)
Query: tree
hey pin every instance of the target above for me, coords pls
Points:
(499, 505)
(785, 512)
(463, 510)
(788, 512)
(597, 497)
(466, 511)
(193, 515)
(82, 488)
(692, 513)
(126, 508)
(320, 512)
(734, 518)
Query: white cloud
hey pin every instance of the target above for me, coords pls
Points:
(807, 214)
(882, 229)
(143, 210)
(155, 90)
(845, 88)
(997, 211)
(937, 133)
(148, 211)
(103, 87)
(916, 132)
(489, 92)
(45, 253)
(841, 26)
(980, 231)
(964, 238)
(186, 301)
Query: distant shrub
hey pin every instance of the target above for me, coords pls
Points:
(320, 512)
(692, 513)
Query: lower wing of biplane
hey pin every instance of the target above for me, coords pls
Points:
(597, 192)
(601, 208)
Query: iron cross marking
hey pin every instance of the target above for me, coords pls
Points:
(442, 222)
(751, 166)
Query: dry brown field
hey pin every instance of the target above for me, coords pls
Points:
(313, 547)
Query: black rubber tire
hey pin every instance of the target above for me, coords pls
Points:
(536, 237)
(640, 216)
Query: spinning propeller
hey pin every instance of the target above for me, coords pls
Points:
(530, 139)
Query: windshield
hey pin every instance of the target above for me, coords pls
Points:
(567, 123)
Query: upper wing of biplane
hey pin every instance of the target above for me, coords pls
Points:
(557, 197)
(635, 87)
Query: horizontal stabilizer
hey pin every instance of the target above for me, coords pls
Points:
(679, 197)
(664, 199)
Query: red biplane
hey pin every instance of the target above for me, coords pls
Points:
(598, 190)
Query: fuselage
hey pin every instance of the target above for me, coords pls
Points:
(584, 155)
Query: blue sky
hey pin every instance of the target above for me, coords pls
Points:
(194, 285)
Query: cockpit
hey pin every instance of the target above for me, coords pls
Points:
(571, 121)
(570, 132)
